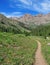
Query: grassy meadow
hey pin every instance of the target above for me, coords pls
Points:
(17, 49)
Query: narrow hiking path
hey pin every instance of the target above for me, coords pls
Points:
(39, 60)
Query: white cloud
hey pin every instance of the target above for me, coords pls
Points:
(13, 14)
(23, 4)
(26, 2)
(40, 6)
(16, 13)
(4, 14)
(43, 7)
(34, 5)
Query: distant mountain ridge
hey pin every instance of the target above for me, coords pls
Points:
(38, 19)
(27, 24)
(10, 25)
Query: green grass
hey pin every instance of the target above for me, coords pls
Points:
(17, 49)
(45, 48)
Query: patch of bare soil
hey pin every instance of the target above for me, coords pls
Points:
(39, 59)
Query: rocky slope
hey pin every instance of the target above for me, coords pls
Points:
(10, 25)
(24, 23)
(38, 19)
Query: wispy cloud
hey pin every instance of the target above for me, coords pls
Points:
(43, 7)
(26, 2)
(22, 3)
(36, 5)
(17, 7)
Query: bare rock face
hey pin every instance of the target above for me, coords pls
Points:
(38, 19)
(26, 18)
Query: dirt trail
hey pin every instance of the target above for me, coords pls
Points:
(39, 60)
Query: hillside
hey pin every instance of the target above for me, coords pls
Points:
(17, 49)
(10, 25)
(26, 25)
(30, 22)
(38, 19)
(20, 48)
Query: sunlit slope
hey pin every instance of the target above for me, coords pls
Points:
(17, 49)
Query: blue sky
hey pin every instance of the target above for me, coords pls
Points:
(20, 7)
